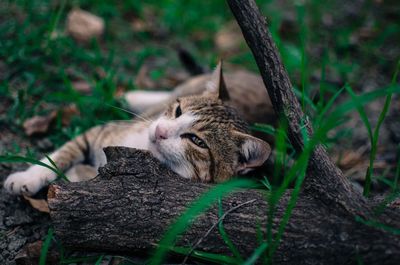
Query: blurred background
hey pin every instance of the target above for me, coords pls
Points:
(322, 44)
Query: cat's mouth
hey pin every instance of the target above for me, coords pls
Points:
(154, 149)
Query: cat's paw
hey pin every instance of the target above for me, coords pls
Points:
(26, 182)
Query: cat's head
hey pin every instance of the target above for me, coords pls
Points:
(201, 138)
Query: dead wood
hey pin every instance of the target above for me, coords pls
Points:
(129, 206)
(134, 199)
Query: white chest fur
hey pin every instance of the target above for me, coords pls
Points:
(138, 139)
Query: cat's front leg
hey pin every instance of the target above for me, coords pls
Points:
(30, 181)
(70, 154)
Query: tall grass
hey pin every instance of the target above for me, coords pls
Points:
(45, 247)
(373, 135)
(200, 205)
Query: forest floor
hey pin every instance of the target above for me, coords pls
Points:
(357, 45)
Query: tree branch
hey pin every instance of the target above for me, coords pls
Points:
(323, 179)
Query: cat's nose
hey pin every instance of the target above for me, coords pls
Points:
(161, 133)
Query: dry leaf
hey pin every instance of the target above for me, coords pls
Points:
(83, 25)
(147, 22)
(30, 254)
(395, 203)
(139, 25)
(67, 113)
(143, 80)
(82, 86)
(120, 91)
(39, 124)
(362, 34)
(229, 38)
(39, 204)
(350, 159)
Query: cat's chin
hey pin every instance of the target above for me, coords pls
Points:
(154, 150)
(158, 151)
(181, 170)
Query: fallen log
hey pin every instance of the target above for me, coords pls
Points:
(130, 205)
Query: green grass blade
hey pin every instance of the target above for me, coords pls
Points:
(282, 141)
(265, 128)
(256, 254)
(301, 12)
(56, 19)
(99, 260)
(396, 176)
(305, 98)
(204, 202)
(302, 165)
(225, 236)
(90, 259)
(319, 134)
(210, 257)
(375, 137)
(364, 118)
(388, 199)
(46, 246)
(22, 159)
(60, 174)
(376, 224)
(321, 101)
(360, 110)
(266, 183)
(290, 207)
(328, 106)
(342, 109)
(279, 166)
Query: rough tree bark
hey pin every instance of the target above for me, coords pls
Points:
(129, 206)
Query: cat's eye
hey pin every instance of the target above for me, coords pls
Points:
(195, 139)
(178, 111)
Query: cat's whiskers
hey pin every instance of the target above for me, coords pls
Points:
(132, 113)
(128, 125)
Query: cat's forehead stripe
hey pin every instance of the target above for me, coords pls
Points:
(210, 118)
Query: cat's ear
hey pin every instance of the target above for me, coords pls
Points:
(216, 86)
(253, 152)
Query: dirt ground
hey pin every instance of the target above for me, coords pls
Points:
(20, 224)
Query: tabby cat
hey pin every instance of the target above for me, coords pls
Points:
(199, 137)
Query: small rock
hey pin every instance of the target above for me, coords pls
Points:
(16, 244)
(82, 86)
(39, 124)
(45, 144)
(18, 218)
(3, 245)
(83, 26)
